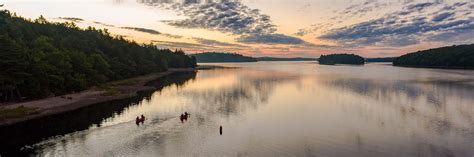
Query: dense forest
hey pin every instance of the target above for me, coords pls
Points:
(284, 59)
(40, 58)
(461, 56)
(341, 59)
(215, 57)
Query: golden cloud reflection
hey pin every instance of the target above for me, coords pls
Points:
(292, 109)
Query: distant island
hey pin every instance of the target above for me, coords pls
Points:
(454, 57)
(216, 57)
(284, 59)
(220, 57)
(383, 59)
(341, 59)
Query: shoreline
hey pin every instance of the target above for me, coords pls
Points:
(435, 67)
(59, 104)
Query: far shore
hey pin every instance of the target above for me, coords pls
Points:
(115, 90)
(435, 67)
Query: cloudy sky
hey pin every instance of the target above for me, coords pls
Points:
(282, 28)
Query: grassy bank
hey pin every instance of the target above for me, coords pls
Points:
(20, 111)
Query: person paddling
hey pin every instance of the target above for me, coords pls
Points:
(181, 118)
(142, 119)
(137, 121)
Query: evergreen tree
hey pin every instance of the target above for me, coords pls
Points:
(40, 58)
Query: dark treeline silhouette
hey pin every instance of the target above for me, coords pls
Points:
(214, 57)
(284, 59)
(40, 58)
(461, 56)
(341, 59)
(384, 59)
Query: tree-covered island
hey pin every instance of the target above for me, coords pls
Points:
(333, 59)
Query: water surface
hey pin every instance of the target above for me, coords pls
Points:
(287, 109)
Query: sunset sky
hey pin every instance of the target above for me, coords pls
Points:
(281, 28)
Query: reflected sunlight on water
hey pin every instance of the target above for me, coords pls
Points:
(292, 109)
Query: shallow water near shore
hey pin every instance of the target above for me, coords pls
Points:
(272, 109)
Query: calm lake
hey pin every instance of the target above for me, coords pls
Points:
(271, 109)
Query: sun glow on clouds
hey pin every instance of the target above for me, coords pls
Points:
(271, 27)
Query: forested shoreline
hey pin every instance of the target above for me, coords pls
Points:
(453, 57)
(41, 58)
(222, 57)
(269, 59)
(377, 60)
(217, 57)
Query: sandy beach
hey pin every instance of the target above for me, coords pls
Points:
(94, 95)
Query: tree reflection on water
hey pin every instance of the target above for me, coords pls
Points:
(14, 137)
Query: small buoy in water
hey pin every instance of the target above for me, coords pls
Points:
(220, 129)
